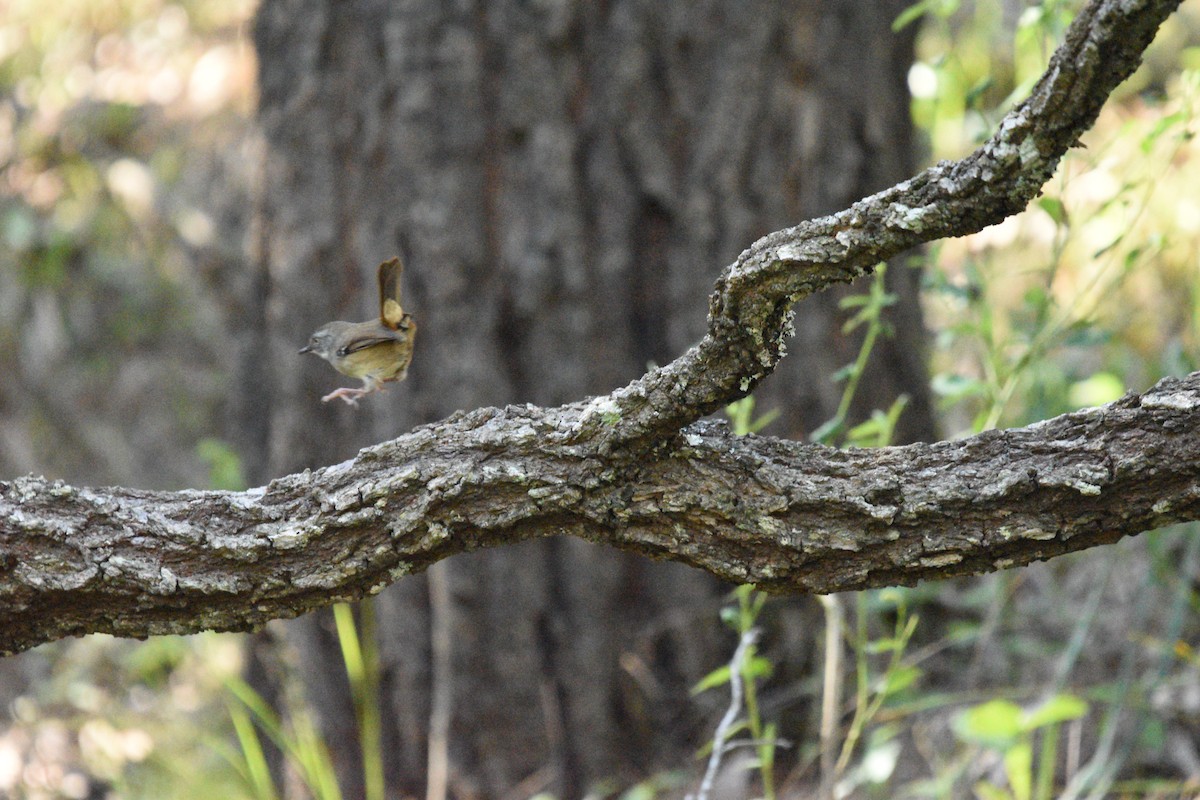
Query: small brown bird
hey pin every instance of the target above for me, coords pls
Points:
(375, 351)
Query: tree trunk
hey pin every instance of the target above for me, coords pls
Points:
(565, 182)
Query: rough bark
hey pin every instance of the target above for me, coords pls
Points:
(786, 516)
(750, 310)
(562, 179)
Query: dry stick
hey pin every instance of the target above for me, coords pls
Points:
(736, 692)
(831, 694)
(441, 656)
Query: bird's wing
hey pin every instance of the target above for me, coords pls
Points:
(363, 342)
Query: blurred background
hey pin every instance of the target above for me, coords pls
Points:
(189, 189)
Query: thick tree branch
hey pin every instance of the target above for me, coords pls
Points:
(750, 309)
(623, 470)
(788, 516)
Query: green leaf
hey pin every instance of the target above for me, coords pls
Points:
(264, 715)
(1153, 736)
(1101, 388)
(741, 416)
(1018, 764)
(975, 93)
(899, 679)
(909, 15)
(989, 791)
(757, 601)
(253, 764)
(938, 8)
(642, 791)
(718, 677)
(826, 432)
(1055, 208)
(845, 372)
(854, 301)
(879, 429)
(890, 598)
(739, 413)
(1120, 237)
(956, 387)
(757, 667)
(224, 465)
(865, 433)
(763, 421)
(347, 632)
(995, 723)
(1060, 708)
(753, 667)
(1163, 125)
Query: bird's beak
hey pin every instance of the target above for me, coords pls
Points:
(306, 349)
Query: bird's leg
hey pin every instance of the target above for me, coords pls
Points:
(345, 393)
(351, 395)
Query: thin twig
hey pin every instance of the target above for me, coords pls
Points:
(831, 694)
(736, 693)
(438, 764)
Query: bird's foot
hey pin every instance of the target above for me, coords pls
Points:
(347, 394)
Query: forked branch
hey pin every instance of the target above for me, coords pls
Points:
(634, 470)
